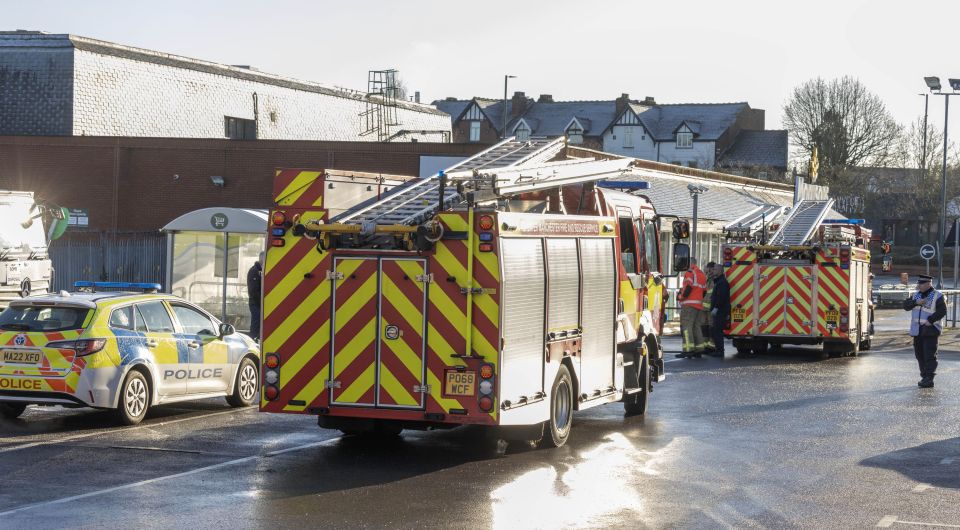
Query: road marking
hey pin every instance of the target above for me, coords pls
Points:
(920, 488)
(887, 521)
(167, 477)
(947, 461)
(111, 431)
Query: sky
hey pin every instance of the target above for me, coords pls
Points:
(694, 51)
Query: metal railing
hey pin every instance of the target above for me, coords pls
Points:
(107, 256)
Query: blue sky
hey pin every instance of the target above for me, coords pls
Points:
(693, 51)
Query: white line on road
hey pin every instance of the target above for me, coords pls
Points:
(167, 477)
(920, 488)
(887, 521)
(111, 431)
(947, 461)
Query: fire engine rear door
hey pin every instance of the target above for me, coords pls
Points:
(354, 344)
(771, 291)
(400, 374)
(798, 298)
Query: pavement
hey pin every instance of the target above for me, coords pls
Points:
(787, 440)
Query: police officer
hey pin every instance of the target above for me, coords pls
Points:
(692, 316)
(254, 289)
(709, 347)
(927, 307)
(720, 308)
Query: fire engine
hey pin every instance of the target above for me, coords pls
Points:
(507, 291)
(810, 283)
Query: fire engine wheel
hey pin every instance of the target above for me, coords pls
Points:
(561, 409)
(134, 399)
(12, 411)
(245, 387)
(636, 404)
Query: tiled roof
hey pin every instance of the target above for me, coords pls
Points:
(454, 108)
(757, 148)
(713, 118)
(553, 118)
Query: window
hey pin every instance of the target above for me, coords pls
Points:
(628, 253)
(192, 321)
(37, 318)
(628, 137)
(239, 128)
(523, 134)
(156, 318)
(575, 136)
(684, 140)
(122, 318)
(651, 244)
(474, 131)
(233, 258)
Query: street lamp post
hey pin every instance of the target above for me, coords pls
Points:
(933, 83)
(695, 191)
(503, 126)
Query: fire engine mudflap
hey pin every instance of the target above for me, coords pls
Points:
(469, 316)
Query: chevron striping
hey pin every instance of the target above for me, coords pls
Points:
(296, 188)
(396, 390)
(358, 388)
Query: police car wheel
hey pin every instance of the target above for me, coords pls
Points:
(12, 411)
(245, 388)
(561, 409)
(134, 399)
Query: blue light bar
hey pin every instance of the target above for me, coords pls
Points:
(118, 285)
(625, 184)
(843, 221)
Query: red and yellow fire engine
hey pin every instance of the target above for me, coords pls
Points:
(510, 290)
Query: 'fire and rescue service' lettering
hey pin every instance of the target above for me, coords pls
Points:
(203, 373)
(20, 384)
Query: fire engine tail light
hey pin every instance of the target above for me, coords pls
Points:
(486, 247)
(271, 376)
(272, 361)
(844, 318)
(277, 242)
(485, 222)
(728, 254)
(486, 400)
(271, 393)
(278, 218)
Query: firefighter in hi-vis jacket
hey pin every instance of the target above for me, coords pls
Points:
(692, 316)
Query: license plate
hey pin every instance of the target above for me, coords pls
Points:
(833, 316)
(738, 314)
(460, 383)
(21, 356)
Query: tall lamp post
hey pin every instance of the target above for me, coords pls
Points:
(503, 126)
(695, 191)
(933, 83)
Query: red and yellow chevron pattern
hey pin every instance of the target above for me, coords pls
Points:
(798, 300)
(771, 316)
(833, 287)
(298, 188)
(355, 331)
(740, 274)
(60, 369)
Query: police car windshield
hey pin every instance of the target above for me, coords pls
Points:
(42, 318)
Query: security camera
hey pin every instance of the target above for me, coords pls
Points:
(217, 181)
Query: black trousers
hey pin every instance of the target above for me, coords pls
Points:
(925, 348)
(716, 329)
(254, 321)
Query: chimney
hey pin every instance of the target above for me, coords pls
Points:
(519, 104)
(416, 97)
(545, 98)
(450, 98)
(622, 103)
(649, 101)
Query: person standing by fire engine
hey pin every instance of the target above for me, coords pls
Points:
(692, 316)
(720, 308)
(708, 346)
(927, 308)
(254, 290)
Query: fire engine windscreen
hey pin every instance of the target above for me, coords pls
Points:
(21, 233)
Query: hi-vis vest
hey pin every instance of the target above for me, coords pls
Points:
(697, 281)
(921, 313)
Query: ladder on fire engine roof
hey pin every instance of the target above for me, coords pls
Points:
(801, 223)
(754, 219)
(509, 167)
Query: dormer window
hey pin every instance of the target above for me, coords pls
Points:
(684, 140)
(474, 131)
(523, 133)
(575, 136)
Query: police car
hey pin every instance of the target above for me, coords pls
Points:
(125, 351)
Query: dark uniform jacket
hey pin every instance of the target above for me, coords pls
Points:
(254, 281)
(721, 294)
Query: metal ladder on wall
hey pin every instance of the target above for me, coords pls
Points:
(416, 201)
(800, 224)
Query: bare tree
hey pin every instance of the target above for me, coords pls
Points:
(910, 150)
(847, 124)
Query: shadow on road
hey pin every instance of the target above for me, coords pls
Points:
(933, 463)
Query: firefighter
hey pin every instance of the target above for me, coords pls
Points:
(720, 307)
(927, 308)
(708, 345)
(691, 311)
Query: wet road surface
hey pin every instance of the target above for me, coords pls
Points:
(792, 440)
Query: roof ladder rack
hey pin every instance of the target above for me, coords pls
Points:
(801, 223)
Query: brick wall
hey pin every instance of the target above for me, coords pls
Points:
(36, 89)
(488, 135)
(130, 183)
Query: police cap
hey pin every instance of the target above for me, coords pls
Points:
(923, 278)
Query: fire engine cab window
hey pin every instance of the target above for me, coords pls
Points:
(651, 243)
(156, 317)
(628, 249)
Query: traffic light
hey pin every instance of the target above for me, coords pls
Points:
(681, 229)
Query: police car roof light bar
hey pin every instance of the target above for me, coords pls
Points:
(93, 286)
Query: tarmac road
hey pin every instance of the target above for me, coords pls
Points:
(787, 440)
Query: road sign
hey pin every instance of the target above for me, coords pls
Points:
(927, 252)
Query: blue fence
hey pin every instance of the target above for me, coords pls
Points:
(108, 256)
